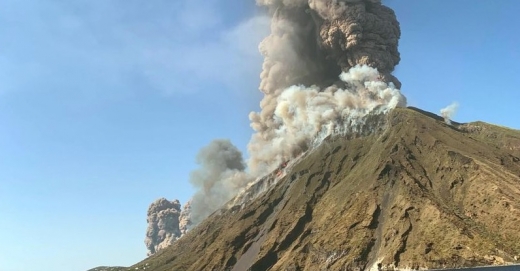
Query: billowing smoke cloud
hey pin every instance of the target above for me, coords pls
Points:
(185, 218)
(449, 111)
(312, 42)
(304, 115)
(163, 224)
(327, 66)
(220, 177)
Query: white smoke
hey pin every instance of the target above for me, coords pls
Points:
(304, 115)
(449, 111)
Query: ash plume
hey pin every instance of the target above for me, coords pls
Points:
(163, 224)
(449, 111)
(185, 218)
(311, 43)
(220, 177)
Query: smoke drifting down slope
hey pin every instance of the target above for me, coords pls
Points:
(327, 66)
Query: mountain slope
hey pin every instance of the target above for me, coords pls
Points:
(108, 268)
(420, 193)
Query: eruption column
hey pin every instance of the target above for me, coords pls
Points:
(312, 42)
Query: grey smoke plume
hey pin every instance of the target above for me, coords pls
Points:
(220, 177)
(312, 42)
(185, 218)
(163, 224)
(449, 111)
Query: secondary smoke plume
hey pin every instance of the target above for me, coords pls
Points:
(185, 218)
(311, 43)
(163, 224)
(449, 111)
(220, 177)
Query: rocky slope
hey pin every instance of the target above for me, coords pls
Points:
(108, 268)
(418, 194)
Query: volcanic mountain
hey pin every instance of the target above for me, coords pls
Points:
(415, 193)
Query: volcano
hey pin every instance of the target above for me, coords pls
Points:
(416, 193)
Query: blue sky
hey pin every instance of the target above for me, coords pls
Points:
(105, 104)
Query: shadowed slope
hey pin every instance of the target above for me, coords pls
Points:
(420, 193)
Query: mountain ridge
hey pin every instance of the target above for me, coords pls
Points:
(420, 193)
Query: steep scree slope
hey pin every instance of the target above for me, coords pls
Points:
(420, 193)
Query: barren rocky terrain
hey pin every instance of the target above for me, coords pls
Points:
(109, 268)
(417, 194)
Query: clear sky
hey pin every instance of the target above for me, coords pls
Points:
(104, 105)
